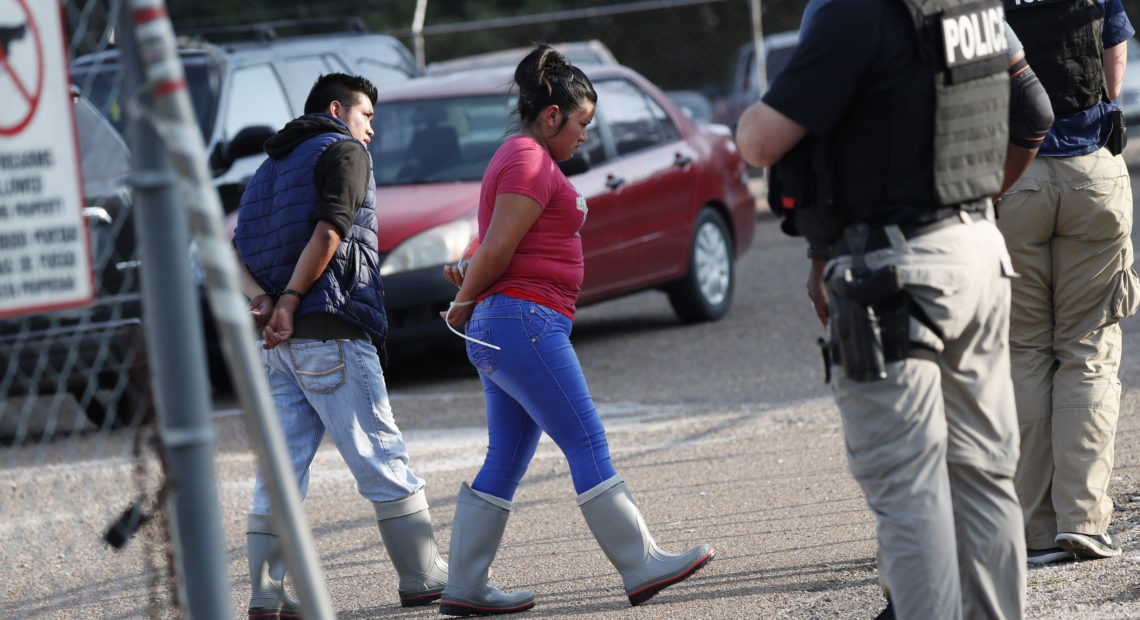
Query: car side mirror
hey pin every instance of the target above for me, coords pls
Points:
(249, 141)
(577, 164)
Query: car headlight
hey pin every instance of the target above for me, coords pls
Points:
(440, 245)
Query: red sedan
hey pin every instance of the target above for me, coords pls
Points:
(668, 197)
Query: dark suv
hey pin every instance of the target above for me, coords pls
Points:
(247, 81)
(244, 84)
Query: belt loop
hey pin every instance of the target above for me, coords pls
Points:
(990, 211)
(856, 237)
(895, 236)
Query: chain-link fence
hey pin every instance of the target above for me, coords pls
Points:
(80, 467)
(107, 488)
(109, 504)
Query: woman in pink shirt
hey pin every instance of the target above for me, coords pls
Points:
(517, 301)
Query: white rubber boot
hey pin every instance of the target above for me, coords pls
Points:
(475, 537)
(405, 528)
(268, 598)
(619, 528)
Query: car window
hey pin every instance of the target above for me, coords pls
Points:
(308, 68)
(635, 121)
(101, 84)
(383, 61)
(105, 158)
(437, 140)
(381, 73)
(256, 97)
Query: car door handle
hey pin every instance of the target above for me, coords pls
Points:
(613, 182)
(682, 160)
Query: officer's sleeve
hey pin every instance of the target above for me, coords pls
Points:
(836, 45)
(341, 178)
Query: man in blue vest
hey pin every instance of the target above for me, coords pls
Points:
(306, 234)
(1068, 223)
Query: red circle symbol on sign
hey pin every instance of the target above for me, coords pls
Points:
(26, 96)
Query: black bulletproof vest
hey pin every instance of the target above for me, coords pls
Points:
(964, 41)
(962, 148)
(1063, 44)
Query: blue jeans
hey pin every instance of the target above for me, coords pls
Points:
(338, 386)
(534, 384)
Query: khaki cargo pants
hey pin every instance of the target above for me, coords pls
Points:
(934, 445)
(1067, 223)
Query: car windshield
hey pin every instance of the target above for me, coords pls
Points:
(437, 140)
(100, 82)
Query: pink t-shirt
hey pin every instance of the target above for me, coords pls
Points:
(547, 264)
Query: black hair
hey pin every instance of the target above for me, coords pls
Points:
(340, 87)
(545, 78)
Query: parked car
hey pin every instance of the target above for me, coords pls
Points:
(95, 353)
(590, 52)
(694, 103)
(668, 197)
(246, 82)
(743, 88)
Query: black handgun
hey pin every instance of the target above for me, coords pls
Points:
(9, 34)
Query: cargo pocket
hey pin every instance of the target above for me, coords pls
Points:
(481, 357)
(1127, 294)
(319, 365)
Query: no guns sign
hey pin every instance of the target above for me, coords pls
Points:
(45, 259)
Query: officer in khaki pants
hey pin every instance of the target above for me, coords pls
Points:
(1067, 223)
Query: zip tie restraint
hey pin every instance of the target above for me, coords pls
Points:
(453, 305)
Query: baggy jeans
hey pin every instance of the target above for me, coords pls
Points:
(338, 386)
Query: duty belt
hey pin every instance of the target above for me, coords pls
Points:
(877, 238)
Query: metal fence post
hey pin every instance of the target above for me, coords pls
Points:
(167, 80)
(174, 342)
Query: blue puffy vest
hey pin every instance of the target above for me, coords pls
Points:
(276, 223)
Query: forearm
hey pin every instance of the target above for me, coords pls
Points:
(1017, 160)
(314, 258)
(249, 286)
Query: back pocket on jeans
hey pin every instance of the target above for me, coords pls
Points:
(482, 357)
(319, 366)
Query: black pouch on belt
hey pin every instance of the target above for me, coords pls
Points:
(1118, 139)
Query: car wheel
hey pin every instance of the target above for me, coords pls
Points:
(705, 293)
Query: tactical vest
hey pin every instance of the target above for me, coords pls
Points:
(1063, 44)
(964, 42)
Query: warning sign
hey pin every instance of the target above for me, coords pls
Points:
(44, 257)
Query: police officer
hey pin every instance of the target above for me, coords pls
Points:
(1067, 223)
(900, 109)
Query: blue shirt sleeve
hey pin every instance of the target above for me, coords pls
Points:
(1117, 27)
